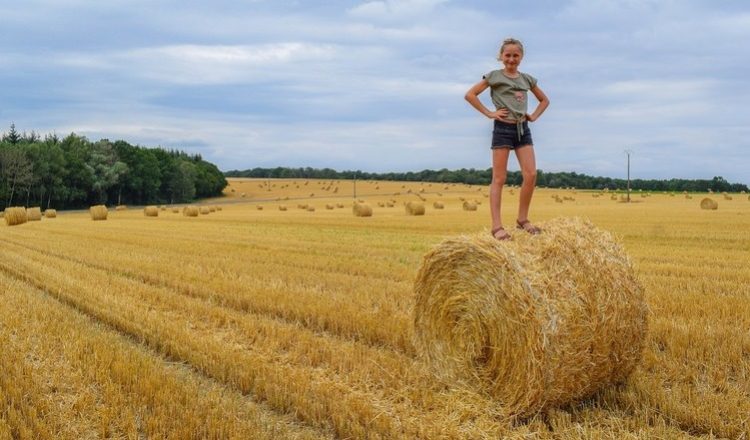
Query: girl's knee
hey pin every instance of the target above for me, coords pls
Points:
(498, 179)
(529, 175)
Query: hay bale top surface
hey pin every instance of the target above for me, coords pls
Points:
(535, 322)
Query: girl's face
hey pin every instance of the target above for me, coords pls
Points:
(511, 56)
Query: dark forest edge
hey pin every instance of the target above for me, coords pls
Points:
(482, 177)
(74, 172)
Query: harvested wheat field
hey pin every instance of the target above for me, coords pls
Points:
(290, 324)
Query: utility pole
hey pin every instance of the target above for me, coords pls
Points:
(355, 185)
(628, 152)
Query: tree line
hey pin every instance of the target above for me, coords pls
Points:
(484, 176)
(74, 172)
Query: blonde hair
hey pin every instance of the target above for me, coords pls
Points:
(508, 42)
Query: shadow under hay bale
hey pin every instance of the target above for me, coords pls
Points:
(98, 212)
(538, 322)
(15, 216)
(708, 203)
(33, 214)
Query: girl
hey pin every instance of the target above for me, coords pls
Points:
(509, 89)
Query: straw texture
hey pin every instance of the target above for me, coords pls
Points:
(362, 210)
(33, 214)
(151, 211)
(536, 322)
(50, 213)
(15, 216)
(98, 212)
(414, 208)
(190, 211)
(708, 203)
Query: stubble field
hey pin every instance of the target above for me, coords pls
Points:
(297, 324)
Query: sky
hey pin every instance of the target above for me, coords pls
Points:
(379, 85)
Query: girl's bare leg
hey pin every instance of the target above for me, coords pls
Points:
(499, 172)
(527, 162)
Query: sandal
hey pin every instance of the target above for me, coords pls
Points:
(528, 227)
(503, 237)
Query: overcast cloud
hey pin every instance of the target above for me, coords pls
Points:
(379, 85)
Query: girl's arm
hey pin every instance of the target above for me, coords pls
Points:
(543, 104)
(473, 97)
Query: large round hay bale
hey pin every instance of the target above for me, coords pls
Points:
(438, 205)
(33, 214)
(151, 211)
(15, 215)
(541, 321)
(98, 212)
(414, 208)
(190, 211)
(362, 210)
(708, 203)
(469, 206)
(50, 213)
(204, 210)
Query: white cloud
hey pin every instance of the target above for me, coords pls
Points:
(394, 9)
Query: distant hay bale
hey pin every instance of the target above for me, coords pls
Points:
(329, 206)
(282, 207)
(219, 208)
(339, 205)
(15, 215)
(469, 206)
(121, 208)
(204, 210)
(381, 204)
(212, 209)
(151, 211)
(727, 197)
(50, 213)
(414, 208)
(708, 203)
(310, 208)
(537, 322)
(362, 210)
(98, 212)
(163, 207)
(389, 204)
(438, 205)
(259, 208)
(302, 206)
(190, 211)
(33, 214)
(175, 210)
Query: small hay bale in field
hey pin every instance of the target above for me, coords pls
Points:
(175, 210)
(537, 322)
(243, 195)
(190, 211)
(414, 208)
(381, 205)
(310, 208)
(212, 208)
(362, 210)
(15, 215)
(33, 214)
(282, 207)
(469, 206)
(339, 205)
(302, 206)
(204, 210)
(151, 211)
(50, 213)
(727, 197)
(259, 208)
(219, 208)
(163, 207)
(98, 212)
(389, 204)
(708, 203)
(438, 205)
(329, 206)
(121, 208)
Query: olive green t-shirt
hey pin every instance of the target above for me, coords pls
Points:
(510, 93)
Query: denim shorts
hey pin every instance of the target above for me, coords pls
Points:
(505, 135)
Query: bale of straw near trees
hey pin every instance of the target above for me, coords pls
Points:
(33, 214)
(469, 206)
(537, 322)
(15, 215)
(213, 208)
(175, 210)
(708, 203)
(50, 213)
(98, 212)
(413, 208)
(361, 210)
(204, 210)
(438, 205)
(190, 211)
(121, 208)
(151, 211)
